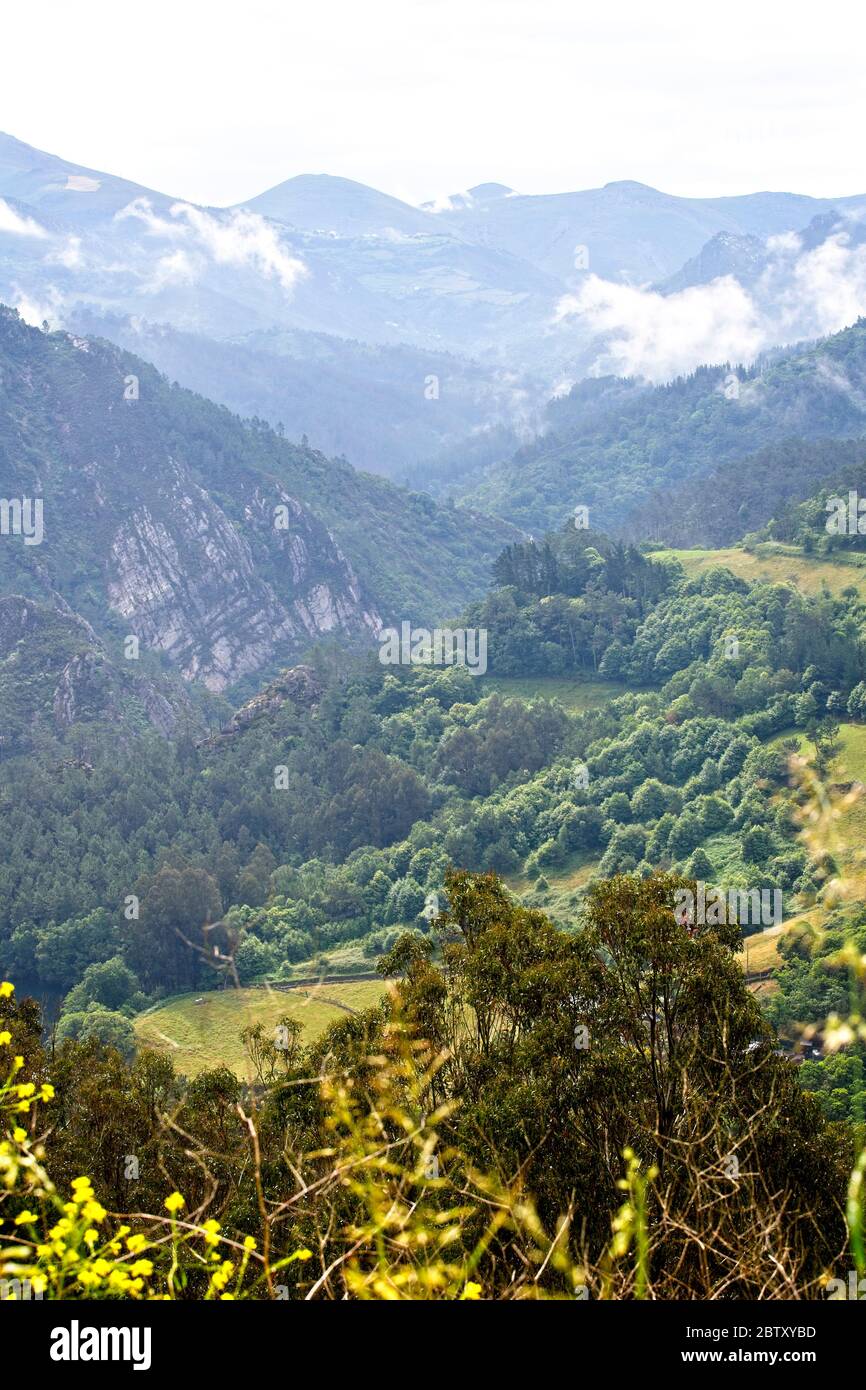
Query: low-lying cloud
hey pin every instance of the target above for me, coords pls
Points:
(36, 311)
(12, 221)
(800, 295)
(241, 238)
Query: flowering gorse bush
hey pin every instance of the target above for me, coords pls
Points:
(71, 1248)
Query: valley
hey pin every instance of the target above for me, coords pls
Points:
(381, 955)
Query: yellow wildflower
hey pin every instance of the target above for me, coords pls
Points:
(174, 1203)
(211, 1232)
(6, 989)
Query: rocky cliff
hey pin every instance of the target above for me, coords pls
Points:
(173, 530)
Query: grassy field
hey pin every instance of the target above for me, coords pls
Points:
(347, 959)
(760, 952)
(574, 695)
(849, 834)
(198, 1036)
(809, 573)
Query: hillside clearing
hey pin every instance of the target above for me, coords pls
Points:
(198, 1036)
(574, 695)
(809, 573)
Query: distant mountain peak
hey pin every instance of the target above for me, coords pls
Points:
(487, 192)
(470, 198)
(631, 188)
(325, 202)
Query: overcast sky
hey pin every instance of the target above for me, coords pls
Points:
(216, 101)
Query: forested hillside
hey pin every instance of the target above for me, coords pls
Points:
(614, 446)
(651, 728)
(216, 545)
(327, 831)
(321, 823)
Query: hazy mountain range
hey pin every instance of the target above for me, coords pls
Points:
(453, 345)
(398, 335)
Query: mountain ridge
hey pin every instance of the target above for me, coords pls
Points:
(220, 547)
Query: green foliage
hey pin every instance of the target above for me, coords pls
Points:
(684, 461)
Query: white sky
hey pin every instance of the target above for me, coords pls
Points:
(216, 100)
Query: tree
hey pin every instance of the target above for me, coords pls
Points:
(757, 845)
(699, 866)
(171, 944)
(105, 1025)
(561, 1050)
(650, 801)
(111, 984)
(252, 958)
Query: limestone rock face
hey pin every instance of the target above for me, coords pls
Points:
(224, 597)
(300, 686)
(165, 518)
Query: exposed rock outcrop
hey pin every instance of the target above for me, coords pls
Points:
(299, 685)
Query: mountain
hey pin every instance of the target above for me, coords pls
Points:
(70, 193)
(406, 338)
(630, 231)
(744, 494)
(56, 674)
(727, 253)
(480, 274)
(612, 445)
(219, 546)
(322, 203)
(767, 265)
(392, 409)
(319, 254)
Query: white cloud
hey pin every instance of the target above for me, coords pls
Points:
(141, 210)
(36, 312)
(239, 238)
(68, 255)
(11, 221)
(827, 289)
(661, 336)
(800, 295)
(243, 239)
(177, 268)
